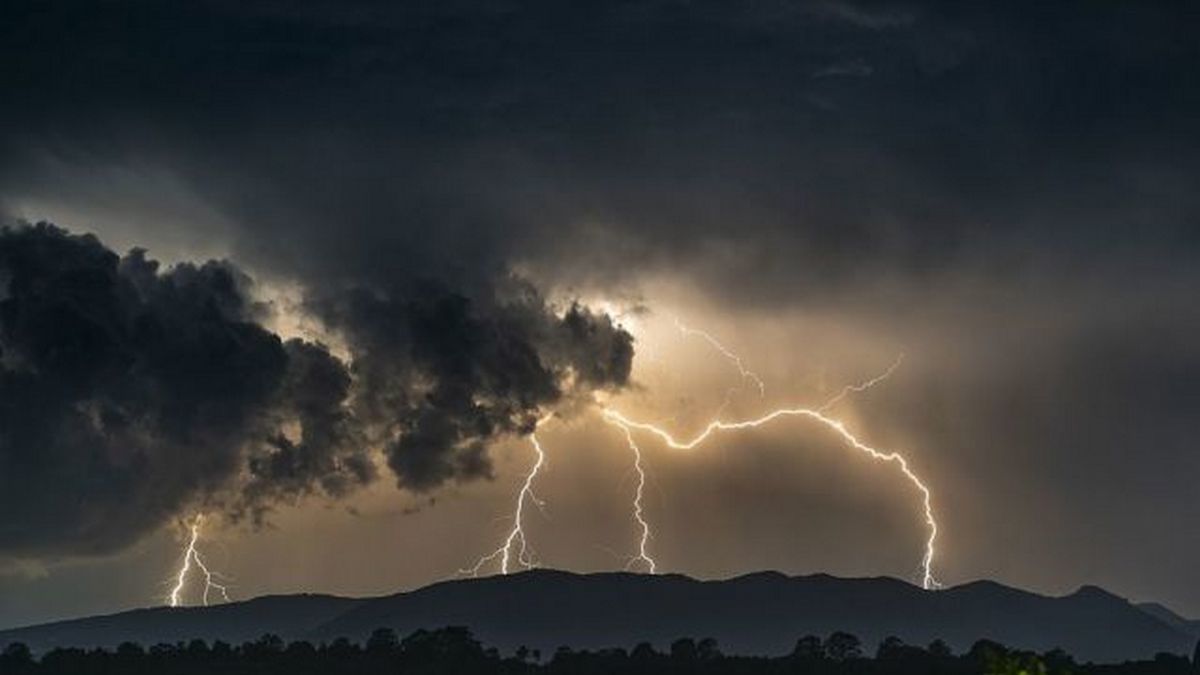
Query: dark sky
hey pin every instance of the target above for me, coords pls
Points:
(374, 219)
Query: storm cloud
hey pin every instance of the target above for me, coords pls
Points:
(464, 371)
(130, 392)
(600, 140)
(127, 392)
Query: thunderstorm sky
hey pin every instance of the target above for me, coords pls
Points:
(408, 198)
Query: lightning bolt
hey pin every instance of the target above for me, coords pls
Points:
(192, 554)
(745, 372)
(862, 386)
(627, 426)
(516, 536)
(643, 555)
(516, 546)
(928, 581)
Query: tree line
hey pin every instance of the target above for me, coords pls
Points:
(455, 651)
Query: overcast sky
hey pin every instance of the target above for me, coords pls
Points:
(432, 224)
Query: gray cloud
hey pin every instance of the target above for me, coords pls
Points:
(328, 451)
(443, 374)
(127, 392)
(382, 140)
(131, 393)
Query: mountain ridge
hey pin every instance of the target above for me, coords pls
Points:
(1170, 617)
(755, 613)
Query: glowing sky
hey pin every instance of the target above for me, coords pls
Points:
(1008, 198)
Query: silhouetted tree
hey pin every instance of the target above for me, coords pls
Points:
(61, 661)
(939, 649)
(128, 657)
(300, 649)
(889, 648)
(455, 651)
(997, 659)
(452, 649)
(809, 648)
(342, 649)
(683, 650)
(708, 649)
(264, 647)
(1058, 661)
(197, 650)
(984, 651)
(841, 646)
(643, 652)
(1196, 657)
(130, 650)
(16, 654)
(383, 641)
(299, 657)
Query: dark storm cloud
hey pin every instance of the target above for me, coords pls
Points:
(371, 144)
(448, 139)
(329, 449)
(128, 393)
(1005, 182)
(464, 371)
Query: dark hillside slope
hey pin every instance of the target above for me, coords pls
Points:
(761, 613)
(287, 615)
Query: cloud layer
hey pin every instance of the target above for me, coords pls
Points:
(129, 393)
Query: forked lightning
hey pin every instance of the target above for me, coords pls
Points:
(191, 554)
(516, 551)
(517, 539)
(516, 536)
(643, 556)
(927, 579)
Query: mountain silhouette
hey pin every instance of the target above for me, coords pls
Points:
(762, 613)
(1169, 617)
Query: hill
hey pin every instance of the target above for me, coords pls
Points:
(1169, 617)
(762, 613)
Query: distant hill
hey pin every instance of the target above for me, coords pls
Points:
(1189, 626)
(285, 615)
(761, 613)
